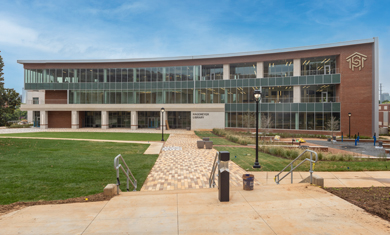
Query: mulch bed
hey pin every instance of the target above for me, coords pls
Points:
(375, 200)
(4, 209)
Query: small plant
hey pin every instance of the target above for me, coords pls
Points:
(341, 158)
(332, 157)
(320, 156)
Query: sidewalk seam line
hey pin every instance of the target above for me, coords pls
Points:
(95, 217)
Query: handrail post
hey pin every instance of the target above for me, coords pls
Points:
(128, 180)
(311, 168)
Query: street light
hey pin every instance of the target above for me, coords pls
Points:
(162, 124)
(349, 117)
(257, 95)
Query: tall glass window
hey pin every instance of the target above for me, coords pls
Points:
(212, 72)
(279, 94)
(318, 93)
(243, 70)
(278, 68)
(318, 65)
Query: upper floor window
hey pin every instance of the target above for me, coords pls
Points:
(278, 94)
(212, 72)
(318, 65)
(278, 68)
(35, 100)
(319, 93)
(243, 70)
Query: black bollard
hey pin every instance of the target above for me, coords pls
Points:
(223, 176)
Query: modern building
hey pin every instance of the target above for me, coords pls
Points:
(302, 89)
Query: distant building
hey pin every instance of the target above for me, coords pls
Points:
(385, 96)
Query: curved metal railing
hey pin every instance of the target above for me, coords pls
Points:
(133, 181)
(312, 164)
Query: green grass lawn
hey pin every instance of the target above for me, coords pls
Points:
(271, 163)
(202, 134)
(222, 141)
(94, 135)
(32, 170)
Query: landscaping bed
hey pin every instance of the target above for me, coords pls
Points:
(375, 200)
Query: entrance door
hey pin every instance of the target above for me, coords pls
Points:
(327, 69)
(324, 97)
(151, 121)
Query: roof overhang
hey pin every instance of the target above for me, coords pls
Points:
(291, 49)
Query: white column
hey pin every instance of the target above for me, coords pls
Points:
(105, 120)
(226, 71)
(30, 116)
(75, 120)
(297, 67)
(260, 70)
(165, 118)
(134, 120)
(44, 119)
(297, 94)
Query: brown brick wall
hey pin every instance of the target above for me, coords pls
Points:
(56, 97)
(59, 119)
(81, 119)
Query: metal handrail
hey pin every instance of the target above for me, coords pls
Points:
(312, 164)
(128, 173)
(212, 174)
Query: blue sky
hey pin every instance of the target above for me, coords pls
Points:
(37, 29)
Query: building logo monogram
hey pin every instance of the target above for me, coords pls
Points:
(356, 60)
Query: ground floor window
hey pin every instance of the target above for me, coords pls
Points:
(119, 119)
(179, 120)
(92, 119)
(149, 119)
(37, 118)
(284, 120)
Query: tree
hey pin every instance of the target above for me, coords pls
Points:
(332, 124)
(9, 98)
(266, 121)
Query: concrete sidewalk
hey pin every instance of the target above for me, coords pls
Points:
(281, 209)
(331, 179)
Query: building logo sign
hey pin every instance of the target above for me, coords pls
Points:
(199, 115)
(356, 60)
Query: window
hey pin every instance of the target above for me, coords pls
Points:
(243, 70)
(278, 68)
(212, 72)
(318, 65)
(35, 100)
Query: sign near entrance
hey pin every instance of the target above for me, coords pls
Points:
(356, 60)
(199, 115)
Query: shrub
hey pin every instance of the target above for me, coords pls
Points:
(341, 158)
(294, 154)
(320, 156)
(348, 157)
(332, 157)
(219, 132)
(20, 126)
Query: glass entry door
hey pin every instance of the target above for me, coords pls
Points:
(153, 122)
(324, 96)
(327, 69)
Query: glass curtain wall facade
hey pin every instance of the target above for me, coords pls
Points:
(200, 85)
(243, 70)
(278, 68)
(318, 65)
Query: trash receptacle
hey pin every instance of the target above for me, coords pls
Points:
(248, 181)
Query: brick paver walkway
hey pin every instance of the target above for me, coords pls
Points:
(188, 168)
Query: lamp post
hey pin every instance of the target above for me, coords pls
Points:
(349, 117)
(162, 124)
(257, 95)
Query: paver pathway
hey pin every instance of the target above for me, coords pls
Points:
(188, 168)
